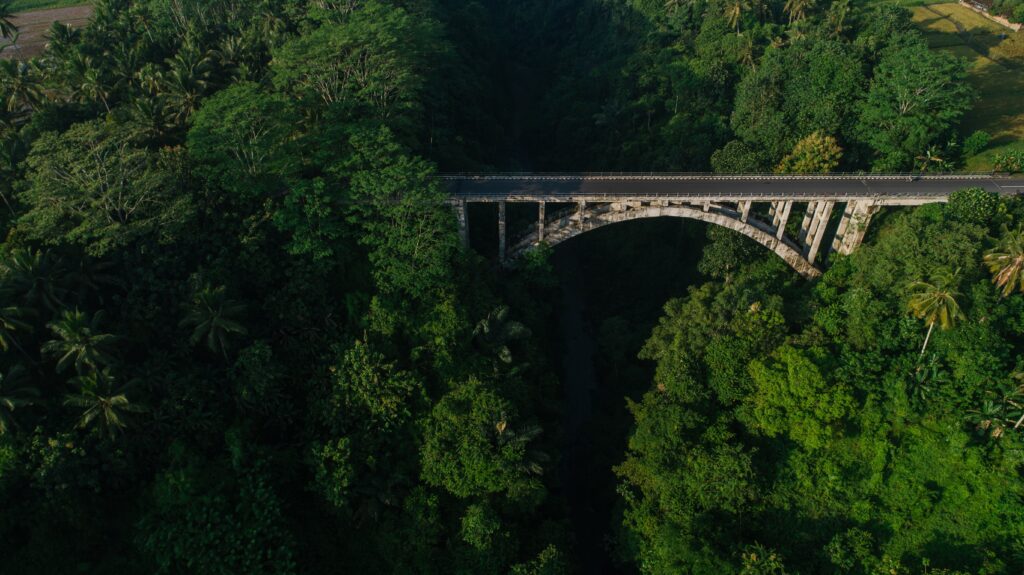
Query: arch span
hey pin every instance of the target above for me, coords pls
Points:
(579, 222)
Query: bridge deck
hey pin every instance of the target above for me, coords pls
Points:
(884, 189)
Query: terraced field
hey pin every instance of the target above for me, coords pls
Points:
(995, 55)
(34, 24)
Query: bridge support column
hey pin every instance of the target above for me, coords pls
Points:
(541, 221)
(581, 211)
(501, 232)
(782, 217)
(853, 226)
(744, 209)
(463, 217)
(808, 218)
(818, 227)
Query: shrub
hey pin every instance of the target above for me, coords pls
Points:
(973, 205)
(976, 142)
(1011, 161)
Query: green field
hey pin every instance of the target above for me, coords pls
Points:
(995, 57)
(25, 5)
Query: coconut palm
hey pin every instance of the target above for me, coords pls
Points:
(12, 320)
(1006, 262)
(497, 331)
(101, 402)
(734, 10)
(214, 319)
(79, 342)
(797, 9)
(14, 393)
(935, 302)
(187, 80)
(34, 278)
(19, 84)
(7, 27)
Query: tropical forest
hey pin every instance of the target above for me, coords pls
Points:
(240, 332)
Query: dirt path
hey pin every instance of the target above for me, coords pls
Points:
(34, 25)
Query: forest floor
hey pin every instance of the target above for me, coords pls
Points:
(34, 24)
(995, 56)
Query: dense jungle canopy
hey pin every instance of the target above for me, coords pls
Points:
(239, 333)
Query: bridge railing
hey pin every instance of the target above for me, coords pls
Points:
(712, 176)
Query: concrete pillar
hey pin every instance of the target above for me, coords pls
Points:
(819, 227)
(541, 221)
(744, 209)
(857, 227)
(782, 218)
(806, 224)
(501, 231)
(707, 206)
(581, 210)
(463, 217)
(844, 224)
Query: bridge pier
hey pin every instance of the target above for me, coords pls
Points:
(782, 218)
(463, 218)
(854, 226)
(501, 232)
(805, 225)
(819, 225)
(541, 221)
(744, 209)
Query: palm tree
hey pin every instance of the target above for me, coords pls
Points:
(34, 277)
(1006, 261)
(14, 394)
(797, 9)
(20, 86)
(79, 342)
(101, 402)
(7, 27)
(214, 318)
(935, 302)
(187, 80)
(734, 10)
(496, 332)
(12, 320)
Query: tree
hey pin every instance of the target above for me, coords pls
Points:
(466, 450)
(7, 27)
(406, 225)
(815, 154)
(973, 205)
(80, 342)
(239, 139)
(935, 302)
(14, 394)
(20, 87)
(1006, 262)
(102, 402)
(797, 9)
(916, 99)
(373, 62)
(94, 186)
(186, 81)
(734, 10)
(34, 278)
(214, 318)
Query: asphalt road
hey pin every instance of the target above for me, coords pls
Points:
(568, 188)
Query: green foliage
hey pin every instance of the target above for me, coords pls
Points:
(973, 205)
(976, 143)
(470, 445)
(917, 96)
(815, 154)
(93, 186)
(1011, 161)
(240, 139)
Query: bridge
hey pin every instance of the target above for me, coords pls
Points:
(833, 210)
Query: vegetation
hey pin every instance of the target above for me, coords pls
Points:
(239, 333)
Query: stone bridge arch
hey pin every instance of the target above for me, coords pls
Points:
(594, 217)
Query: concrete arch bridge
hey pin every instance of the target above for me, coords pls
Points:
(798, 217)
